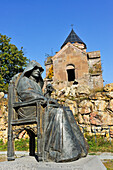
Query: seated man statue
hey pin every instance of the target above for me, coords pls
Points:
(63, 140)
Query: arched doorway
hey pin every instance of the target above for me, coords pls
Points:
(70, 72)
(32, 136)
(31, 142)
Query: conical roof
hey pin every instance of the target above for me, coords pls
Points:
(72, 38)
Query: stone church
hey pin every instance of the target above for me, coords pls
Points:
(73, 65)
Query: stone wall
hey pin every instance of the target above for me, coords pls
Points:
(92, 110)
(3, 117)
(95, 70)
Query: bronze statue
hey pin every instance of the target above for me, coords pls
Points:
(62, 139)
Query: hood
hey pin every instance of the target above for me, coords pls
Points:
(31, 65)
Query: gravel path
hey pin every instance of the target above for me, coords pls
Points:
(104, 155)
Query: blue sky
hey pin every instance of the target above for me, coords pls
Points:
(41, 27)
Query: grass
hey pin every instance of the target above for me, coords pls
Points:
(3, 146)
(100, 145)
(20, 145)
(108, 164)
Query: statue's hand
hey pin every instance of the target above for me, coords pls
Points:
(53, 101)
(44, 102)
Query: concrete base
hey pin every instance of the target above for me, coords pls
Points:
(29, 163)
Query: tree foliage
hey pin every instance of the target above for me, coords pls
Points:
(12, 61)
(50, 74)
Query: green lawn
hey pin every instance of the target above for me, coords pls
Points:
(100, 145)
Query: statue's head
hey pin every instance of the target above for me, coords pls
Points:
(35, 72)
(33, 68)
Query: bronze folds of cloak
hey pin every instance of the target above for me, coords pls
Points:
(62, 139)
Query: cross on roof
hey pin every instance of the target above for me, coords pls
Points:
(72, 25)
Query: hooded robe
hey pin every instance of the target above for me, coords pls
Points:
(63, 140)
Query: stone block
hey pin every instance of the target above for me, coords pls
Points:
(84, 110)
(111, 133)
(86, 119)
(98, 96)
(109, 94)
(106, 119)
(0, 113)
(110, 105)
(100, 105)
(94, 128)
(85, 103)
(95, 119)
(88, 128)
(85, 107)
(94, 54)
(72, 105)
(80, 118)
(83, 89)
(108, 87)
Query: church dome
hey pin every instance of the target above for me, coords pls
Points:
(73, 38)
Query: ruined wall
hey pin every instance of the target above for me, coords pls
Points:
(95, 70)
(92, 110)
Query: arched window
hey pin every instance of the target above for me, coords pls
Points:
(70, 72)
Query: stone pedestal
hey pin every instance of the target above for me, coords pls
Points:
(29, 162)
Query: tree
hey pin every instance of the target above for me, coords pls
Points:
(12, 61)
(50, 74)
